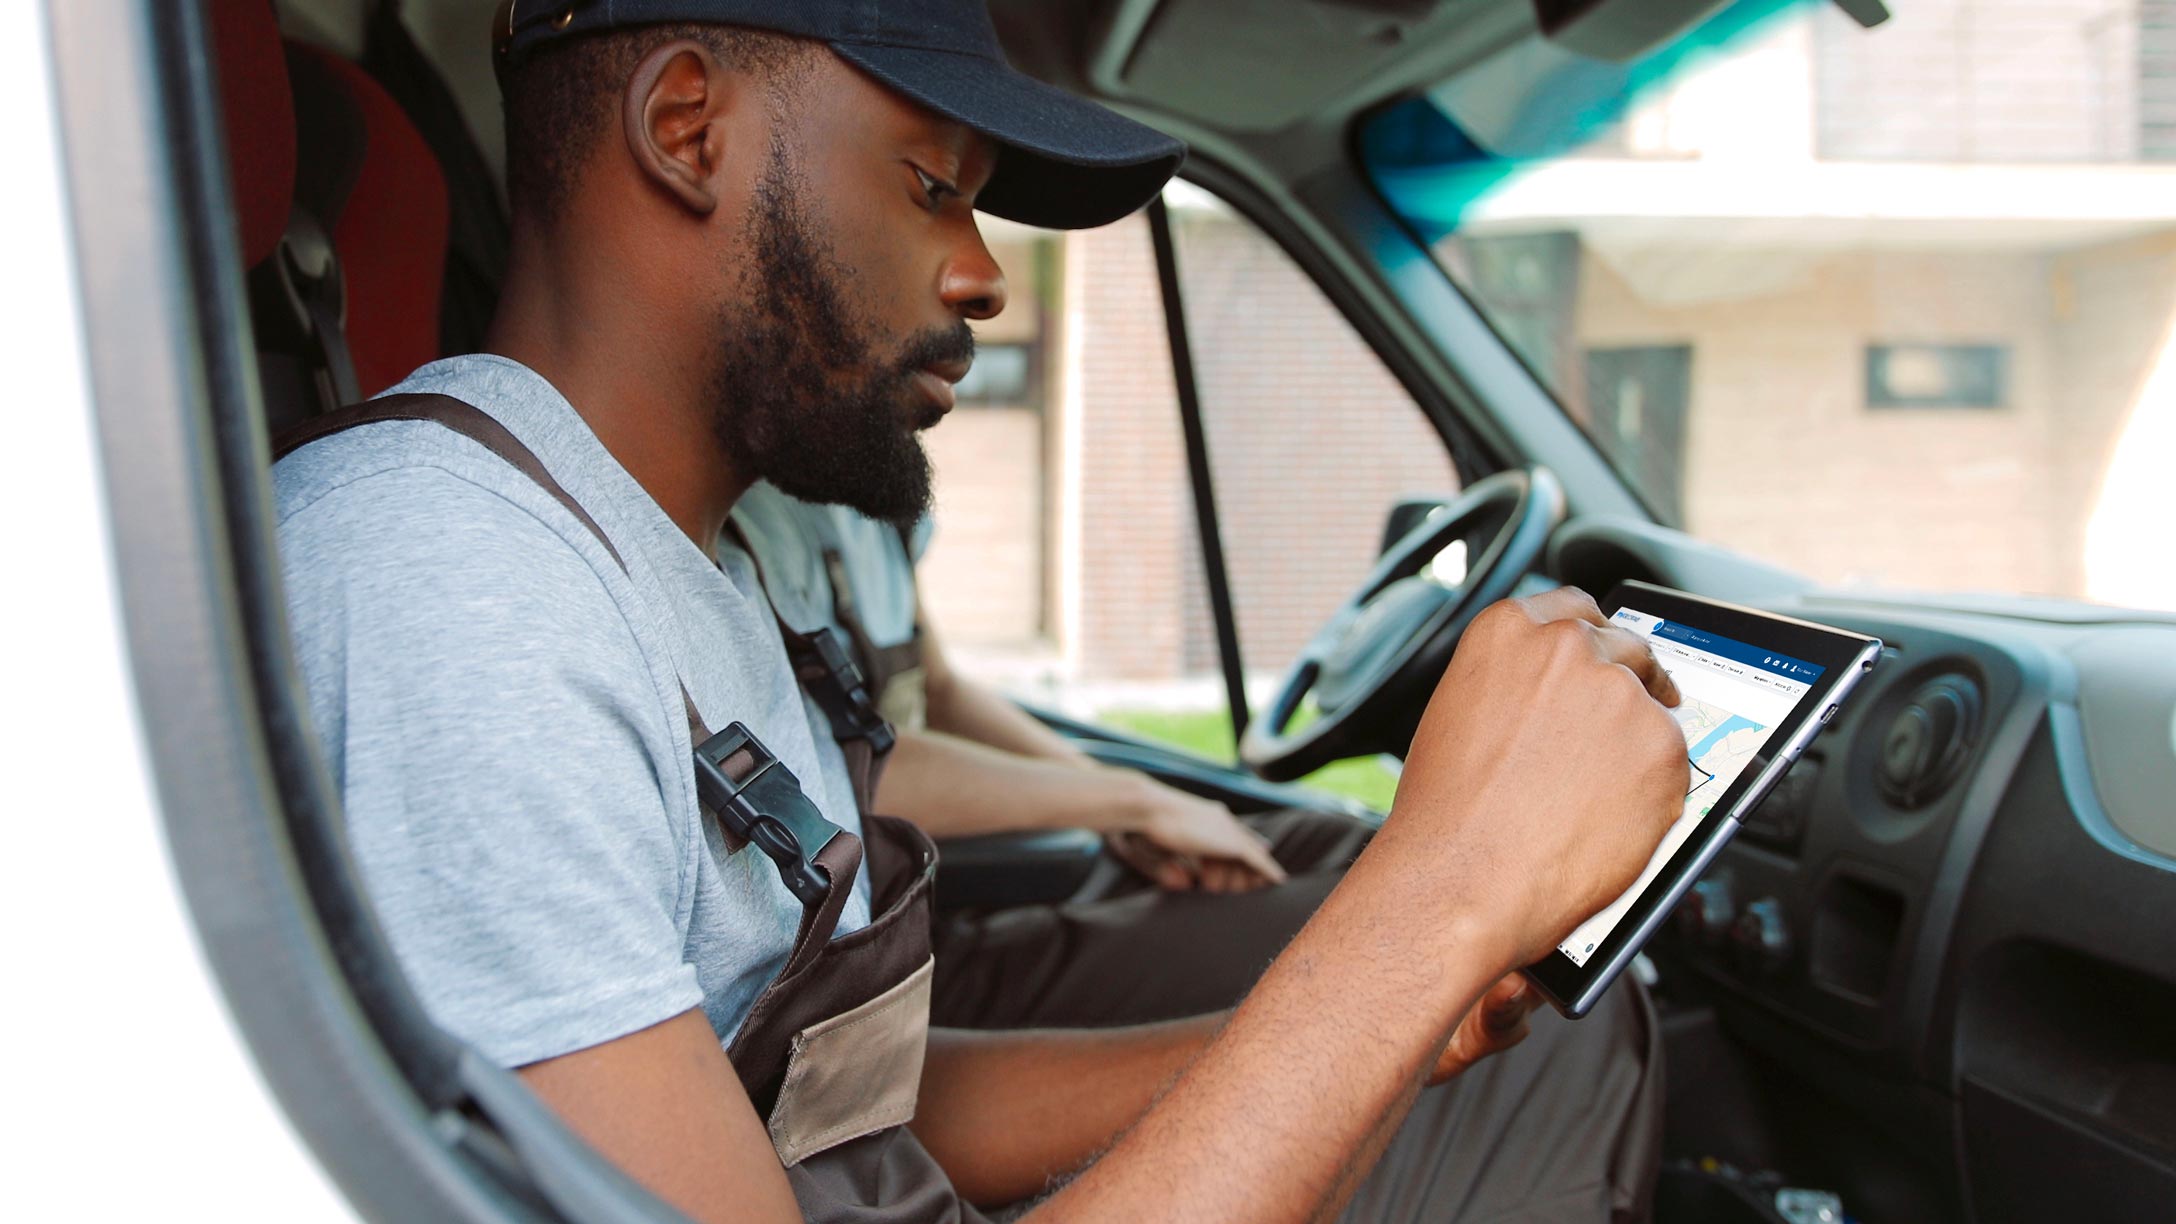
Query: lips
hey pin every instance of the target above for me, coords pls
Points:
(936, 379)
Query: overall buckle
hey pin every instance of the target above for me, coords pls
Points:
(766, 807)
(828, 672)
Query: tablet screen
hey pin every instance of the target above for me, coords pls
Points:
(1734, 699)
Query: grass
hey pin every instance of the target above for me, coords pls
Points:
(1208, 733)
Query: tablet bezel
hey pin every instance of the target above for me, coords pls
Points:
(1842, 656)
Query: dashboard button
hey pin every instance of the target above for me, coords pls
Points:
(1762, 938)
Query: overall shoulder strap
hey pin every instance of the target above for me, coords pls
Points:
(746, 790)
(465, 419)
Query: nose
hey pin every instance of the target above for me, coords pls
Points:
(973, 284)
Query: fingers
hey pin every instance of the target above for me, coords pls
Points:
(1254, 856)
(1166, 870)
(1226, 855)
(1181, 872)
(1563, 603)
(1630, 650)
(1506, 1006)
(1225, 876)
(1615, 644)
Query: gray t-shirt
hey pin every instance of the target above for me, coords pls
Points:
(500, 703)
(790, 536)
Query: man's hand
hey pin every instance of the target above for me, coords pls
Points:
(1495, 1023)
(1182, 842)
(1545, 770)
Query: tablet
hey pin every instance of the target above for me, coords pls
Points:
(1754, 689)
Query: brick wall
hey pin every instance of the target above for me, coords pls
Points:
(1310, 441)
(981, 578)
(1981, 81)
(1135, 530)
(1785, 460)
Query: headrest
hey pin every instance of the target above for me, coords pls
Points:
(260, 120)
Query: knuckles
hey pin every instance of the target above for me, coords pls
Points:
(1567, 644)
(1498, 621)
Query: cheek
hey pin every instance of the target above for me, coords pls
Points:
(889, 290)
(887, 261)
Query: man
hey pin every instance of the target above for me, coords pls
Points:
(744, 253)
(970, 762)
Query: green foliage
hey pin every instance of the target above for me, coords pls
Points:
(1208, 733)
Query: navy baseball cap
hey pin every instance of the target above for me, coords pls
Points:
(1063, 162)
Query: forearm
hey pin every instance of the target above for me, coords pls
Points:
(956, 788)
(961, 706)
(1280, 1116)
(1008, 1113)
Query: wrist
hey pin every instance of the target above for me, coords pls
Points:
(1453, 918)
(1128, 804)
(1065, 752)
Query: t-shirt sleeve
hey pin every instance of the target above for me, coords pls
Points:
(919, 536)
(493, 726)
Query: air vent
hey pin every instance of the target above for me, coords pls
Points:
(1928, 741)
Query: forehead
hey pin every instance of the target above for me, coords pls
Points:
(841, 103)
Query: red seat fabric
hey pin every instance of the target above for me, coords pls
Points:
(391, 235)
(260, 121)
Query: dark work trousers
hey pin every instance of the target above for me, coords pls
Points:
(1567, 1125)
(1140, 954)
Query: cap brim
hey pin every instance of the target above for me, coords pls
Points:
(1064, 163)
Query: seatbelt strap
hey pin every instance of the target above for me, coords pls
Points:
(753, 797)
(828, 673)
(825, 671)
(307, 271)
(878, 663)
(303, 281)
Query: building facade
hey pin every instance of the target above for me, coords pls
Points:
(1886, 307)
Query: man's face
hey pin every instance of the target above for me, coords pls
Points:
(848, 325)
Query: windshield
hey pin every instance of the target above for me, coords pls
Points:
(1885, 306)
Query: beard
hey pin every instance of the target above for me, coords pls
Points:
(802, 397)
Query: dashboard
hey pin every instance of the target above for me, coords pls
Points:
(1954, 915)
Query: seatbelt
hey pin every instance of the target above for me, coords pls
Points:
(824, 668)
(879, 664)
(299, 296)
(752, 795)
(827, 673)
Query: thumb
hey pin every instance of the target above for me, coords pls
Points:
(1253, 851)
(1507, 1003)
(1259, 858)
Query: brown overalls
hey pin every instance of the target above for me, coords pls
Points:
(831, 1053)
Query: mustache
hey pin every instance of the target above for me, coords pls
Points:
(938, 345)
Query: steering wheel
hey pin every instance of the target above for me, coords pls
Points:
(1372, 666)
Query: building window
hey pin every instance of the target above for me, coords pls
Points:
(1002, 376)
(1937, 375)
(1637, 398)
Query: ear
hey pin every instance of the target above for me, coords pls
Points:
(674, 113)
